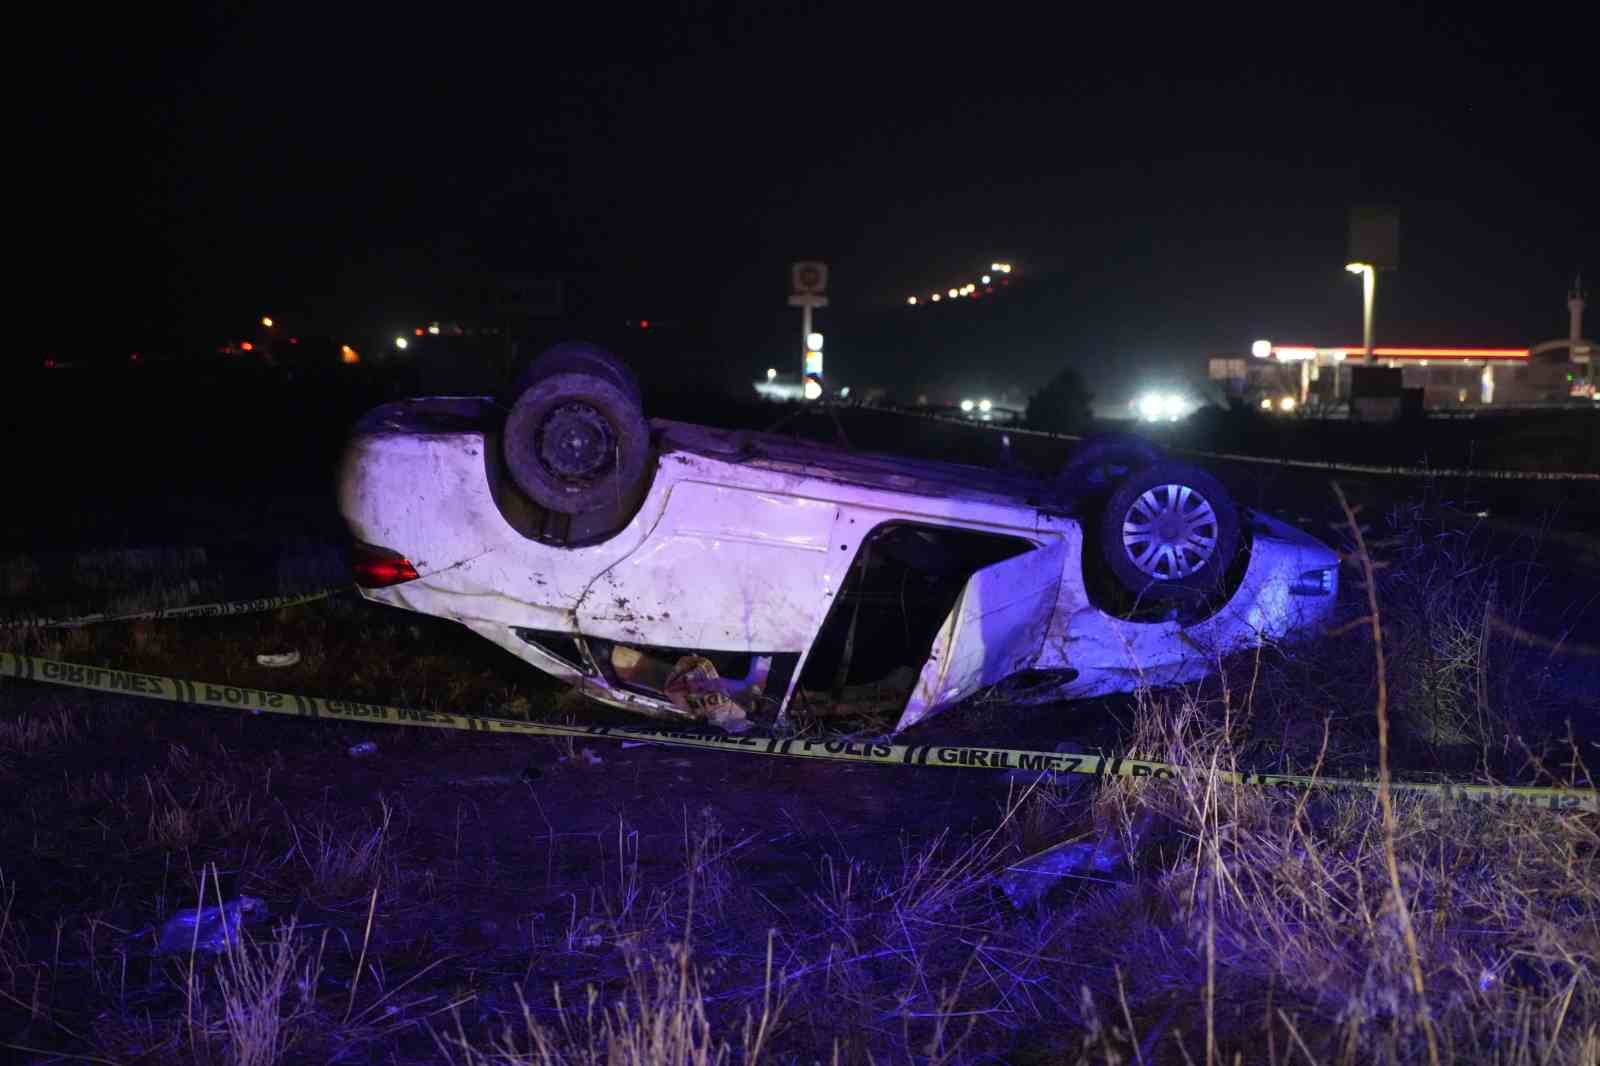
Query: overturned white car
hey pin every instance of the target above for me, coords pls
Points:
(623, 555)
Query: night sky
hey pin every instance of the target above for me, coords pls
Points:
(1172, 181)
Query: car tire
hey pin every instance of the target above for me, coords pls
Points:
(1169, 532)
(576, 441)
(578, 357)
(1102, 460)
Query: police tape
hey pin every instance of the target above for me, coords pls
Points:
(1395, 471)
(884, 753)
(1327, 466)
(198, 610)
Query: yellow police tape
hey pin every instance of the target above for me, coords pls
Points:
(238, 697)
(198, 610)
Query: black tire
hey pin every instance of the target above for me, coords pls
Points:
(576, 442)
(578, 357)
(1104, 459)
(1192, 526)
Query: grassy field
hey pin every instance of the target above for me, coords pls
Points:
(477, 900)
(468, 899)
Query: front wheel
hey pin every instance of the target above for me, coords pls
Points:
(1169, 532)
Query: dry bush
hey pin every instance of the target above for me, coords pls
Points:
(1439, 591)
(33, 732)
(1463, 670)
(210, 810)
(345, 864)
(1286, 898)
(266, 993)
(709, 877)
(1046, 814)
(12, 936)
(622, 910)
(661, 1020)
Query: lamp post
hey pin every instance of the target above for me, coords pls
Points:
(1369, 294)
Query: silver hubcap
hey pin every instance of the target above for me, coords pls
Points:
(1170, 532)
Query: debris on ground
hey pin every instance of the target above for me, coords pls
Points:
(279, 658)
(208, 929)
(363, 749)
(695, 686)
(1104, 857)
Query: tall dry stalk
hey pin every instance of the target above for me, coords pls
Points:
(1385, 798)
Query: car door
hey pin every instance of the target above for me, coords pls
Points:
(725, 568)
(996, 628)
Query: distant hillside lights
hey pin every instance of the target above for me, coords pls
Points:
(968, 289)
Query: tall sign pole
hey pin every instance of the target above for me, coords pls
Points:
(1374, 246)
(808, 285)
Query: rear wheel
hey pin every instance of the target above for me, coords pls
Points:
(1169, 532)
(576, 441)
(1102, 460)
(579, 357)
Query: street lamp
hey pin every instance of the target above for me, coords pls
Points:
(772, 372)
(1369, 294)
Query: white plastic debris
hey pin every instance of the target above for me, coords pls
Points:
(1031, 878)
(281, 658)
(1104, 858)
(363, 749)
(208, 929)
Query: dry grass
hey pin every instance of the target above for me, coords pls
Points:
(267, 993)
(722, 923)
(345, 863)
(38, 732)
(661, 1019)
(213, 808)
(1285, 901)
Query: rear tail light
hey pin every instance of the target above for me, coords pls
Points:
(377, 568)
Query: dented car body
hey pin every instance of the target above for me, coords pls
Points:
(771, 558)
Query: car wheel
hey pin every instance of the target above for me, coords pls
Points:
(576, 441)
(1104, 459)
(579, 357)
(1169, 532)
